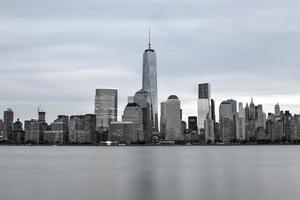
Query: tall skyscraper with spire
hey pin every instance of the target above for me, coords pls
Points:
(150, 81)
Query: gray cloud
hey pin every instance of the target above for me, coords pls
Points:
(57, 52)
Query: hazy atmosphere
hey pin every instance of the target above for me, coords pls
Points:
(57, 52)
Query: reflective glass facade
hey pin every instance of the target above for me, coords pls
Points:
(150, 83)
(106, 107)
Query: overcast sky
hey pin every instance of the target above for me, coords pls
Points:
(57, 52)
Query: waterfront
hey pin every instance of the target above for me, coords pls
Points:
(141, 172)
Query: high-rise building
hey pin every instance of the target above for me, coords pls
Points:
(34, 131)
(213, 110)
(192, 123)
(142, 98)
(8, 120)
(247, 112)
(150, 81)
(209, 130)
(297, 127)
(106, 107)
(82, 129)
(288, 125)
(260, 116)
(163, 119)
(133, 113)
(240, 124)
(252, 112)
(203, 106)
(41, 116)
(56, 133)
(227, 120)
(18, 133)
(173, 120)
(277, 112)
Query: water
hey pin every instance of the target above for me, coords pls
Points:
(142, 173)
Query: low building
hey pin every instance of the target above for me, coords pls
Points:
(123, 132)
(34, 131)
(133, 113)
(82, 129)
(18, 134)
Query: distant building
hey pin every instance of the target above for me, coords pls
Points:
(150, 82)
(58, 133)
(133, 113)
(41, 116)
(122, 132)
(65, 120)
(227, 120)
(173, 120)
(209, 126)
(213, 110)
(18, 136)
(240, 124)
(106, 107)
(203, 106)
(183, 127)
(260, 116)
(8, 120)
(163, 119)
(1, 128)
(82, 129)
(277, 112)
(90, 127)
(34, 131)
(142, 98)
(297, 127)
(279, 134)
(288, 126)
(192, 123)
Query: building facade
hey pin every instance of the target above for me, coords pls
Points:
(227, 120)
(122, 132)
(134, 113)
(142, 98)
(82, 129)
(8, 120)
(18, 136)
(204, 108)
(172, 118)
(106, 107)
(150, 82)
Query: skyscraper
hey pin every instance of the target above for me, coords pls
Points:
(227, 120)
(133, 113)
(192, 123)
(240, 124)
(163, 119)
(106, 107)
(203, 106)
(142, 98)
(172, 119)
(150, 81)
(8, 120)
(277, 110)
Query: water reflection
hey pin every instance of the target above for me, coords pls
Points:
(135, 173)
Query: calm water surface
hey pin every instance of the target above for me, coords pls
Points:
(142, 173)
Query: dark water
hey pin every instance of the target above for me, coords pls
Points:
(138, 173)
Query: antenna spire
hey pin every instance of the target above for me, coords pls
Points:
(149, 42)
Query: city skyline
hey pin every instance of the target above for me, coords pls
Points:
(56, 58)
